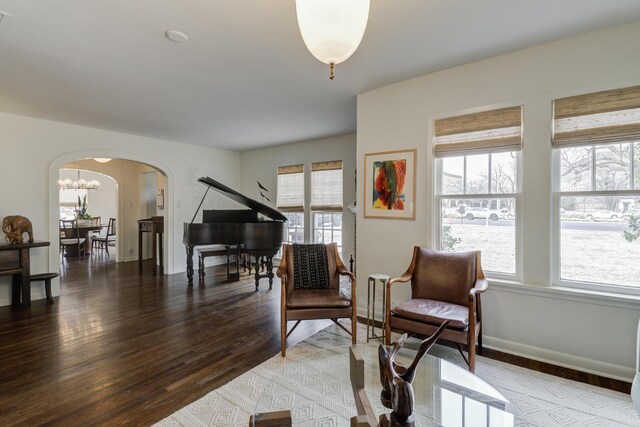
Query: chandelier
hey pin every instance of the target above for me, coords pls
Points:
(332, 29)
(79, 184)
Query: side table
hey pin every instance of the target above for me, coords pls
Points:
(371, 305)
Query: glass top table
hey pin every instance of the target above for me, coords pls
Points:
(445, 394)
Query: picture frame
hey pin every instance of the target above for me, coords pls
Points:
(386, 174)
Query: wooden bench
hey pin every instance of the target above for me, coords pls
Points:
(228, 251)
(46, 278)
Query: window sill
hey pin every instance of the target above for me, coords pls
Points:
(568, 294)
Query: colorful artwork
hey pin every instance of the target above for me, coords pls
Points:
(388, 191)
(390, 184)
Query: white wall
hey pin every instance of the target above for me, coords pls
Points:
(591, 333)
(262, 165)
(39, 148)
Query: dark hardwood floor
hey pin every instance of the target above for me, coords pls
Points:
(125, 347)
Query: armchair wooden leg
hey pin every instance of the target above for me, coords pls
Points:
(480, 341)
(471, 348)
(283, 338)
(354, 328)
(387, 332)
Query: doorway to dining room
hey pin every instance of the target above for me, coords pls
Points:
(128, 191)
(89, 201)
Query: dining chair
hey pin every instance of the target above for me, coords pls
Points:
(70, 236)
(103, 241)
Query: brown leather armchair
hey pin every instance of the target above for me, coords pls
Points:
(315, 293)
(444, 286)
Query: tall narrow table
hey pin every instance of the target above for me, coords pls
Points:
(15, 261)
(154, 225)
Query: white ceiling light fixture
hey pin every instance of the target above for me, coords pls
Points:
(102, 159)
(332, 29)
(79, 184)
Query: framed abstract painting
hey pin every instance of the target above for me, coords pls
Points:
(390, 184)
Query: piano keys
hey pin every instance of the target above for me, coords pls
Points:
(259, 230)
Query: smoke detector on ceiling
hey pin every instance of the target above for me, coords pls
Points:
(176, 36)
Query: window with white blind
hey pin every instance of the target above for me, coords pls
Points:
(596, 143)
(477, 163)
(326, 202)
(290, 200)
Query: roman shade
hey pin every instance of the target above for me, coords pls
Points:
(290, 188)
(326, 186)
(487, 131)
(611, 116)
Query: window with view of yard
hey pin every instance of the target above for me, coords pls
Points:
(597, 155)
(477, 158)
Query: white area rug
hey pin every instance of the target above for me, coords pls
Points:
(313, 382)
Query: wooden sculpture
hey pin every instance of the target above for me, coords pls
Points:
(14, 226)
(397, 391)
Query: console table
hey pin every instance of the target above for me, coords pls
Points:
(154, 225)
(15, 261)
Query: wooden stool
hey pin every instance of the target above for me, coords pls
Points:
(228, 251)
(46, 277)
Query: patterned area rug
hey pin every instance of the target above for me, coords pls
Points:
(313, 382)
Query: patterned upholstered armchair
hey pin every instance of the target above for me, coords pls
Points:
(310, 276)
(444, 286)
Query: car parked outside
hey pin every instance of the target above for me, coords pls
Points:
(601, 215)
(451, 213)
(482, 213)
(566, 215)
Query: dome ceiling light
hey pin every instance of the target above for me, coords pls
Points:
(332, 29)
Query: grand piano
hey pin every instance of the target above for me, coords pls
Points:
(260, 236)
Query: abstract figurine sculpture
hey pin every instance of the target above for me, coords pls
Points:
(14, 225)
(397, 391)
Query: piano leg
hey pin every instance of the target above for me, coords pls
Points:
(257, 270)
(270, 271)
(189, 265)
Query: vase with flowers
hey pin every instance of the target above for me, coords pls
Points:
(81, 211)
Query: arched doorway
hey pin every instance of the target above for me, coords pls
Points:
(128, 170)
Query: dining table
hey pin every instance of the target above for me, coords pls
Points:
(86, 232)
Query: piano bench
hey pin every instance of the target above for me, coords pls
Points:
(228, 251)
(46, 278)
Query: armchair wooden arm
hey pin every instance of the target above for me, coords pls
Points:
(481, 286)
(281, 272)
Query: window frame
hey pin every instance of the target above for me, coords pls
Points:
(517, 196)
(294, 228)
(557, 195)
(314, 229)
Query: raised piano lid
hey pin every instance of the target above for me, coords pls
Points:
(244, 200)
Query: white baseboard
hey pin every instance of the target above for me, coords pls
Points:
(582, 364)
(565, 360)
